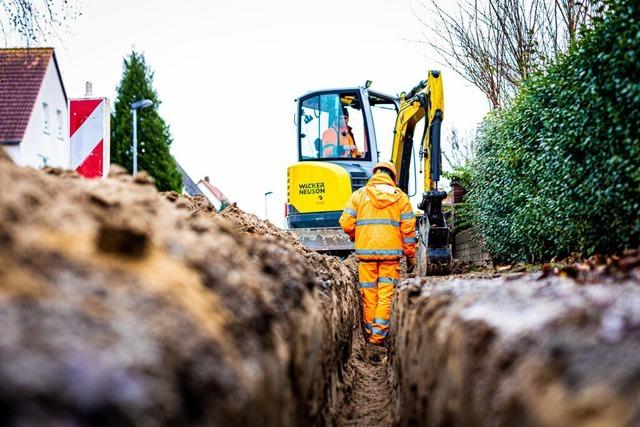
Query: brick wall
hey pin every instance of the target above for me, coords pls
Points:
(458, 192)
(470, 248)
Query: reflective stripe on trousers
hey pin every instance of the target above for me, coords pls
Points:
(377, 279)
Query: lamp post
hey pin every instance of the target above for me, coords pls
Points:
(135, 106)
(265, 204)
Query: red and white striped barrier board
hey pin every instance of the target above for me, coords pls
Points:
(89, 129)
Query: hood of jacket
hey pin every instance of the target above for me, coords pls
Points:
(382, 191)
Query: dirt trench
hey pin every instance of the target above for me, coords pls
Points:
(366, 392)
(123, 306)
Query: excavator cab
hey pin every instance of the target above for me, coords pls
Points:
(333, 127)
(337, 150)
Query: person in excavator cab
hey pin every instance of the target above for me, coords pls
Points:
(338, 140)
(379, 219)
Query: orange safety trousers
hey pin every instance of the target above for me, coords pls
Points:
(377, 280)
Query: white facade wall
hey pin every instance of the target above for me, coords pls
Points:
(209, 195)
(14, 153)
(47, 144)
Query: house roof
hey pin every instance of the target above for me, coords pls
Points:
(190, 187)
(215, 191)
(22, 71)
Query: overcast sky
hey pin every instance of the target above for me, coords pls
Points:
(227, 74)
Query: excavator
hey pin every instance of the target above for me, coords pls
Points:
(337, 149)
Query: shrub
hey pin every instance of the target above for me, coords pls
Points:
(460, 174)
(558, 171)
(461, 214)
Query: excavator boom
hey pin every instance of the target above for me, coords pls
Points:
(425, 102)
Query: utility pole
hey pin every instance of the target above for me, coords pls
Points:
(135, 106)
(266, 216)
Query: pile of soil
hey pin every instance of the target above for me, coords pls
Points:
(120, 305)
(123, 306)
(599, 268)
(522, 349)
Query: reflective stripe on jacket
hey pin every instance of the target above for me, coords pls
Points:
(379, 218)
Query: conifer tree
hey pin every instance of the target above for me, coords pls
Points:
(154, 138)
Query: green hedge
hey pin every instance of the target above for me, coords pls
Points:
(462, 215)
(558, 172)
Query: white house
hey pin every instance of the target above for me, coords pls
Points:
(213, 193)
(33, 108)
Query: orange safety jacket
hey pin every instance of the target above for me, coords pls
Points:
(379, 218)
(346, 141)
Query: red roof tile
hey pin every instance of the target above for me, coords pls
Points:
(21, 74)
(215, 191)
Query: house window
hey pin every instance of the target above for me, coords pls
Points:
(45, 113)
(59, 117)
(44, 161)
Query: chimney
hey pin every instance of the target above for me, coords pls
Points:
(206, 178)
(88, 87)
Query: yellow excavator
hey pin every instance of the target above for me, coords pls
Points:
(337, 149)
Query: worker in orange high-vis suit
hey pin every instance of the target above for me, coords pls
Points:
(379, 218)
(338, 141)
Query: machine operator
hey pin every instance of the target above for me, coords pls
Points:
(338, 140)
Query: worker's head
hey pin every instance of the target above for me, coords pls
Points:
(386, 167)
(344, 118)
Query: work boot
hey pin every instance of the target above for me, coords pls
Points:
(365, 333)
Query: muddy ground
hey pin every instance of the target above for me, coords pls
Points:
(366, 392)
(123, 306)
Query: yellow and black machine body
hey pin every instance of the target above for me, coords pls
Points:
(338, 146)
(425, 102)
(337, 149)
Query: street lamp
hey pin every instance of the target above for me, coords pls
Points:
(135, 106)
(265, 204)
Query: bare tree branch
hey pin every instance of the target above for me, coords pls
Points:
(34, 21)
(462, 148)
(495, 44)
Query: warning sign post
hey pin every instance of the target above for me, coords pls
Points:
(89, 130)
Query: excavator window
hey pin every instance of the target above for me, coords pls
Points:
(332, 126)
(384, 119)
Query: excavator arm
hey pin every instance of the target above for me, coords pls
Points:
(425, 102)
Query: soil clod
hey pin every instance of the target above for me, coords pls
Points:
(122, 241)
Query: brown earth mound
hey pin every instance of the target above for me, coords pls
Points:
(123, 306)
(519, 350)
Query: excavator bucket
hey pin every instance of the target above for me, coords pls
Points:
(432, 261)
(331, 240)
(434, 248)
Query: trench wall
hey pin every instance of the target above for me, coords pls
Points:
(516, 351)
(123, 306)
